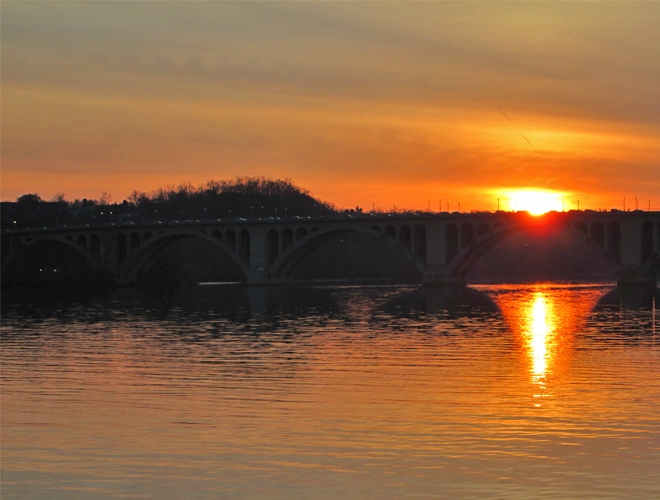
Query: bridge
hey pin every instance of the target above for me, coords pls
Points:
(442, 246)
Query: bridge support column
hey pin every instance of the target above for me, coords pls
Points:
(631, 243)
(635, 286)
(636, 289)
(436, 273)
(259, 265)
(636, 295)
(634, 276)
(431, 278)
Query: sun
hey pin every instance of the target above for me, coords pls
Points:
(536, 202)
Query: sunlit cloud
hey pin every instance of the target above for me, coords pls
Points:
(386, 103)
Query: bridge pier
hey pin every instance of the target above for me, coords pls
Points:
(432, 278)
(635, 276)
(259, 258)
(635, 287)
(636, 280)
(436, 273)
(258, 277)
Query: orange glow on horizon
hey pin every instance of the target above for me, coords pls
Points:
(367, 122)
(536, 202)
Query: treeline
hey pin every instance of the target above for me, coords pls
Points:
(239, 197)
(242, 197)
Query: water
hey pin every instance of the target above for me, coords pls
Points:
(335, 392)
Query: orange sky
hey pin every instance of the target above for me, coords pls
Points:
(361, 103)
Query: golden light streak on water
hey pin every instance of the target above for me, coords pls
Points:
(540, 330)
(539, 339)
(544, 318)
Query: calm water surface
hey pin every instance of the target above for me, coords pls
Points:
(344, 392)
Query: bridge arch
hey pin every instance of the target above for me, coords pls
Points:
(609, 243)
(140, 260)
(301, 232)
(285, 264)
(48, 250)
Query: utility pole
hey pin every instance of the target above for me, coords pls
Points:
(562, 204)
(498, 204)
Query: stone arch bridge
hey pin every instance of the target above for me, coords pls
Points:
(442, 246)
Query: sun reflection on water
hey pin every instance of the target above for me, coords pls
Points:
(544, 319)
(539, 333)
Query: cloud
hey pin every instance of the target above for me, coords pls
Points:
(382, 94)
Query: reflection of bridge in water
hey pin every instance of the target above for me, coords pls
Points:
(441, 246)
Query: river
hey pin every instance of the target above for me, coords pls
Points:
(371, 392)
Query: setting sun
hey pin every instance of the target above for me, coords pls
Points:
(535, 202)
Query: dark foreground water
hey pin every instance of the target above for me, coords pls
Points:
(344, 392)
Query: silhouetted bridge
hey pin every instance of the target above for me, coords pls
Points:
(442, 246)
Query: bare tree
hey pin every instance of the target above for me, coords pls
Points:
(106, 198)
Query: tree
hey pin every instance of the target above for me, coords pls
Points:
(58, 198)
(29, 199)
(106, 198)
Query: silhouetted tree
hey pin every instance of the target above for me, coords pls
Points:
(214, 199)
(29, 199)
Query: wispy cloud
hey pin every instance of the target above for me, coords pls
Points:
(333, 93)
